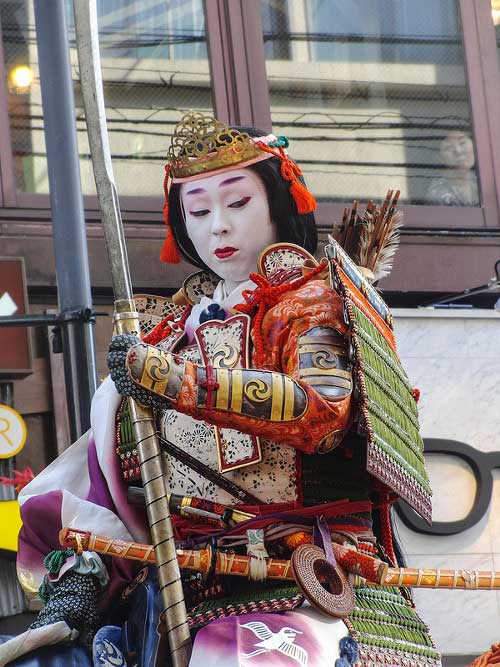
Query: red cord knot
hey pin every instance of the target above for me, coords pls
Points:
(416, 394)
(266, 295)
(210, 384)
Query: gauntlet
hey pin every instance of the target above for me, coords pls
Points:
(116, 361)
(73, 599)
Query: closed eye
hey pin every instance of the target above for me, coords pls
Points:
(199, 214)
(240, 203)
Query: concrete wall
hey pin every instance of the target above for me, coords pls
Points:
(453, 358)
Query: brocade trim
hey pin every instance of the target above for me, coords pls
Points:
(199, 284)
(281, 257)
(374, 656)
(205, 613)
(153, 310)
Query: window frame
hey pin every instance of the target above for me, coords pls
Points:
(237, 62)
(7, 181)
(241, 96)
(478, 33)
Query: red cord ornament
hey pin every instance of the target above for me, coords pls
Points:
(304, 200)
(19, 479)
(259, 300)
(169, 253)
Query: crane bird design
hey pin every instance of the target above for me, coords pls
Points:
(282, 641)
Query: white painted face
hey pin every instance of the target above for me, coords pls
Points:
(228, 221)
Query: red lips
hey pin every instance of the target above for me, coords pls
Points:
(223, 253)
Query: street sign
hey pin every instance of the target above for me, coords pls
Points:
(15, 350)
(7, 305)
(12, 432)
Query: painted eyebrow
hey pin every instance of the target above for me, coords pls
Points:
(230, 181)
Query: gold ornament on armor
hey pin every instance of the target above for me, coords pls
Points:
(156, 371)
(257, 391)
(225, 356)
(324, 359)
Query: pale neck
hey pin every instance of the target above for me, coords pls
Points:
(228, 286)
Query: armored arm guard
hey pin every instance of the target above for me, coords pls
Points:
(300, 397)
(260, 394)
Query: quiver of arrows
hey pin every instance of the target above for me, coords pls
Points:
(372, 238)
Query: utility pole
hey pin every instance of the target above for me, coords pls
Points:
(68, 220)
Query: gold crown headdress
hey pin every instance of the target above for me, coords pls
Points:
(202, 145)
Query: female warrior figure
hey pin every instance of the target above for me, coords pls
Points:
(278, 377)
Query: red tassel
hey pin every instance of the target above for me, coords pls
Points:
(169, 253)
(303, 199)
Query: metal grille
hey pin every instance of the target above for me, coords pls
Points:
(6, 468)
(12, 600)
(372, 94)
(155, 65)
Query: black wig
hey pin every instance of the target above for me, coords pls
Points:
(292, 227)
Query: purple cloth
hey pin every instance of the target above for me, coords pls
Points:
(98, 492)
(39, 532)
(41, 515)
(269, 640)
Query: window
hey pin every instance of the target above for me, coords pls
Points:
(276, 32)
(154, 60)
(173, 30)
(375, 96)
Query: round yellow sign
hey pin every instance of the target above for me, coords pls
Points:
(12, 432)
